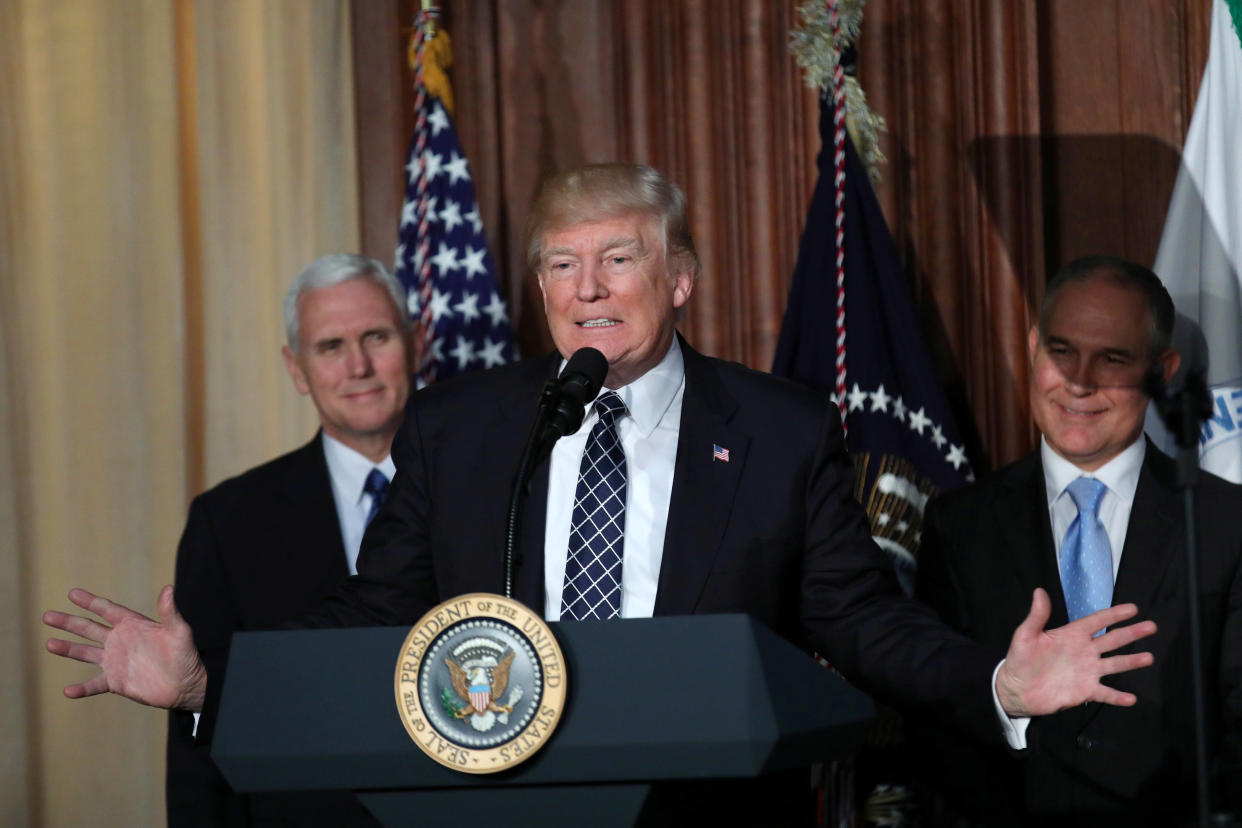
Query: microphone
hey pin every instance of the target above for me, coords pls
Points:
(562, 405)
(563, 402)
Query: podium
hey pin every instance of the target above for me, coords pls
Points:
(652, 703)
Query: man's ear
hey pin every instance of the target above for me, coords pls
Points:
(1169, 362)
(543, 292)
(1032, 343)
(295, 370)
(683, 286)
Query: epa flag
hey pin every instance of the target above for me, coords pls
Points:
(1200, 256)
(469, 322)
(901, 431)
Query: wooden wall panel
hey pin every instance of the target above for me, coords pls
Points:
(962, 191)
(1020, 135)
(382, 139)
(705, 91)
(1117, 104)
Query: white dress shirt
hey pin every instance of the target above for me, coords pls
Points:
(348, 470)
(1120, 476)
(649, 436)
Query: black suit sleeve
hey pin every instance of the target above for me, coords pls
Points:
(856, 614)
(196, 792)
(960, 780)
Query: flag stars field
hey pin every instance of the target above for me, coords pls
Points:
(454, 267)
(457, 169)
(451, 215)
(496, 311)
(879, 399)
(468, 307)
(438, 119)
(918, 421)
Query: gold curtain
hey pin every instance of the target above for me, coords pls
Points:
(165, 167)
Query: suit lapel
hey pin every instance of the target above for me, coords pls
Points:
(313, 523)
(703, 487)
(1028, 532)
(1145, 559)
(1150, 535)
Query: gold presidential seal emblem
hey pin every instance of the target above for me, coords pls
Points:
(480, 683)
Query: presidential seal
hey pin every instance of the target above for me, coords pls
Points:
(480, 683)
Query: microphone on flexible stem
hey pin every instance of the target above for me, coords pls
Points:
(563, 402)
(1183, 412)
(562, 405)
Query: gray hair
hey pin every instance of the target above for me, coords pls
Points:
(332, 270)
(600, 191)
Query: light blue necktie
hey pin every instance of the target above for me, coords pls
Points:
(596, 539)
(376, 485)
(1086, 555)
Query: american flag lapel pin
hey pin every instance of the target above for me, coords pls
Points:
(719, 453)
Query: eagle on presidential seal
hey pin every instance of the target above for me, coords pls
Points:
(479, 672)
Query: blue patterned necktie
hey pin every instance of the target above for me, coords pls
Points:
(1086, 555)
(376, 485)
(596, 538)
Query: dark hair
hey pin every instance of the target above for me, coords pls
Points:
(1127, 274)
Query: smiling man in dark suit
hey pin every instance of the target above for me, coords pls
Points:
(261, 548)
(734, 494)
(1093, 517)
(693, 486)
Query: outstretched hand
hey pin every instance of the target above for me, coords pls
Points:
(1050, 670)
(149, 661)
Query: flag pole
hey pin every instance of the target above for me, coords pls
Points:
(424, 31)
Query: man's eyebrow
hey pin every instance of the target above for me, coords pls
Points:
(1053, 339)
(608, 244)
(622, 241)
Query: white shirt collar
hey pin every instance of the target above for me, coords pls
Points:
(348, 469)
(649, 397)
(1120, 474)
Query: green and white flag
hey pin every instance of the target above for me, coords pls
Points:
(1200, 256)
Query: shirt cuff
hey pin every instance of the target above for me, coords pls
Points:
(1014, 728)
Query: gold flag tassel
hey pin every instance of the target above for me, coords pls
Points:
(437, 56)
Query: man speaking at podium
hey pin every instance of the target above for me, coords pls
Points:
(692, 486)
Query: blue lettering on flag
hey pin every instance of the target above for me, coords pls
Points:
(1228, 403)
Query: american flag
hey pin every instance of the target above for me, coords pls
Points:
(720, 453)
(469, 322)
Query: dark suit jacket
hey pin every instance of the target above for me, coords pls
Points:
(774, 532)
(257, 550)
(987, 547)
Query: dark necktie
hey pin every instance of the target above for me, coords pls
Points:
(1086, 554)
(376, 486)
(596, 539)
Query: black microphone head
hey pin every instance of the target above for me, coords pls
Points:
(565, 399)
(588, 368)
